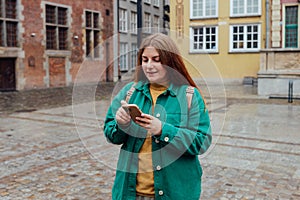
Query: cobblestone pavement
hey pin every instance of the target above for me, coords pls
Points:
(50, 149)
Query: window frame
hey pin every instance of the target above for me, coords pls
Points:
(156, 3)
(123, 20)
(133, 22)
(284, 26)
(58, 28)
(123, 59)
(133, 55)
(245, 14)
(5, 21)
(95, 31)
(203, 16)
(147, 1)
(147, 22)
(156, 23)
(204, 50)
(245, 40)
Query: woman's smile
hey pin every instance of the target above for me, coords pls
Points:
(151, 72)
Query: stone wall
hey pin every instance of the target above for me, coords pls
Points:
(277, 68)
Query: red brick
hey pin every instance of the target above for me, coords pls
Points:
(34, 48)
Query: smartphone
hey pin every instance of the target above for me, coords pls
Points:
(133, 110)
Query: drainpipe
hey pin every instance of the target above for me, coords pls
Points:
(139, 21)
(116, 41)
(267, 24)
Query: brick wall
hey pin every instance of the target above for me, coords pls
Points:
(35, 72)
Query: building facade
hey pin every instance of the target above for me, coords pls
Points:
(151, 13)
(44, 43)
(280, 59)
(220, 38)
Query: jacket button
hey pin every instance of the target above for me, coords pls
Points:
(156, 141)
(166, 139)
(157, 115)
(158, 167)
(160, 192)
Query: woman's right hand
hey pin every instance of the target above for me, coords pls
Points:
(122, 117)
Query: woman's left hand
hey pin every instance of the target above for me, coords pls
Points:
(150, 123)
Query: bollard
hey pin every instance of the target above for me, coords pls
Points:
(290, 94)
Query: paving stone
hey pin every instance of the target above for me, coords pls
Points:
(58, 151)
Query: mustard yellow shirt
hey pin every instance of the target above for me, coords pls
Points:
(145, 177)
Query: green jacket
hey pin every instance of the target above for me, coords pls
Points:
(186, 133)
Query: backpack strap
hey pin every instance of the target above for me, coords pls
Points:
(189, 95)
(130, 92)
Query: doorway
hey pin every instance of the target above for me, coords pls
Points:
(7, 74)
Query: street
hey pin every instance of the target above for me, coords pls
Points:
(59, 152)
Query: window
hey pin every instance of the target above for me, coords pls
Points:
(56, 27)
(204, 8)
(134, 50)
(8, 23)
(147, 1)
(133, 22)
(156, 23)
(204, 39)
(92, 31)
(245, 7)
(123, 56)
(244, 38)
(156, 3)
(147, 22)
(291, 27)
(123, 20)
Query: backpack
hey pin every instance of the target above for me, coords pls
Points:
(189, 94)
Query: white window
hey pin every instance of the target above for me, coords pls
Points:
(147, 22)
(156, 23)
(156, 3)
(147, 1)
(134, 50)
(123, 20)
(123, 56)
(204, 8)
(245, 38)
(133, 22)
(204, 39)
(245, 7)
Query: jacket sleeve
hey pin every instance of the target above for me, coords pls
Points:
(195, 138)
(112, 131)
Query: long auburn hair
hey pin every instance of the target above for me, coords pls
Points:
(170, 58)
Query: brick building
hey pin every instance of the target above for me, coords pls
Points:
(45, 43)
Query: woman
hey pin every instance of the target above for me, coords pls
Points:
(159, 153)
